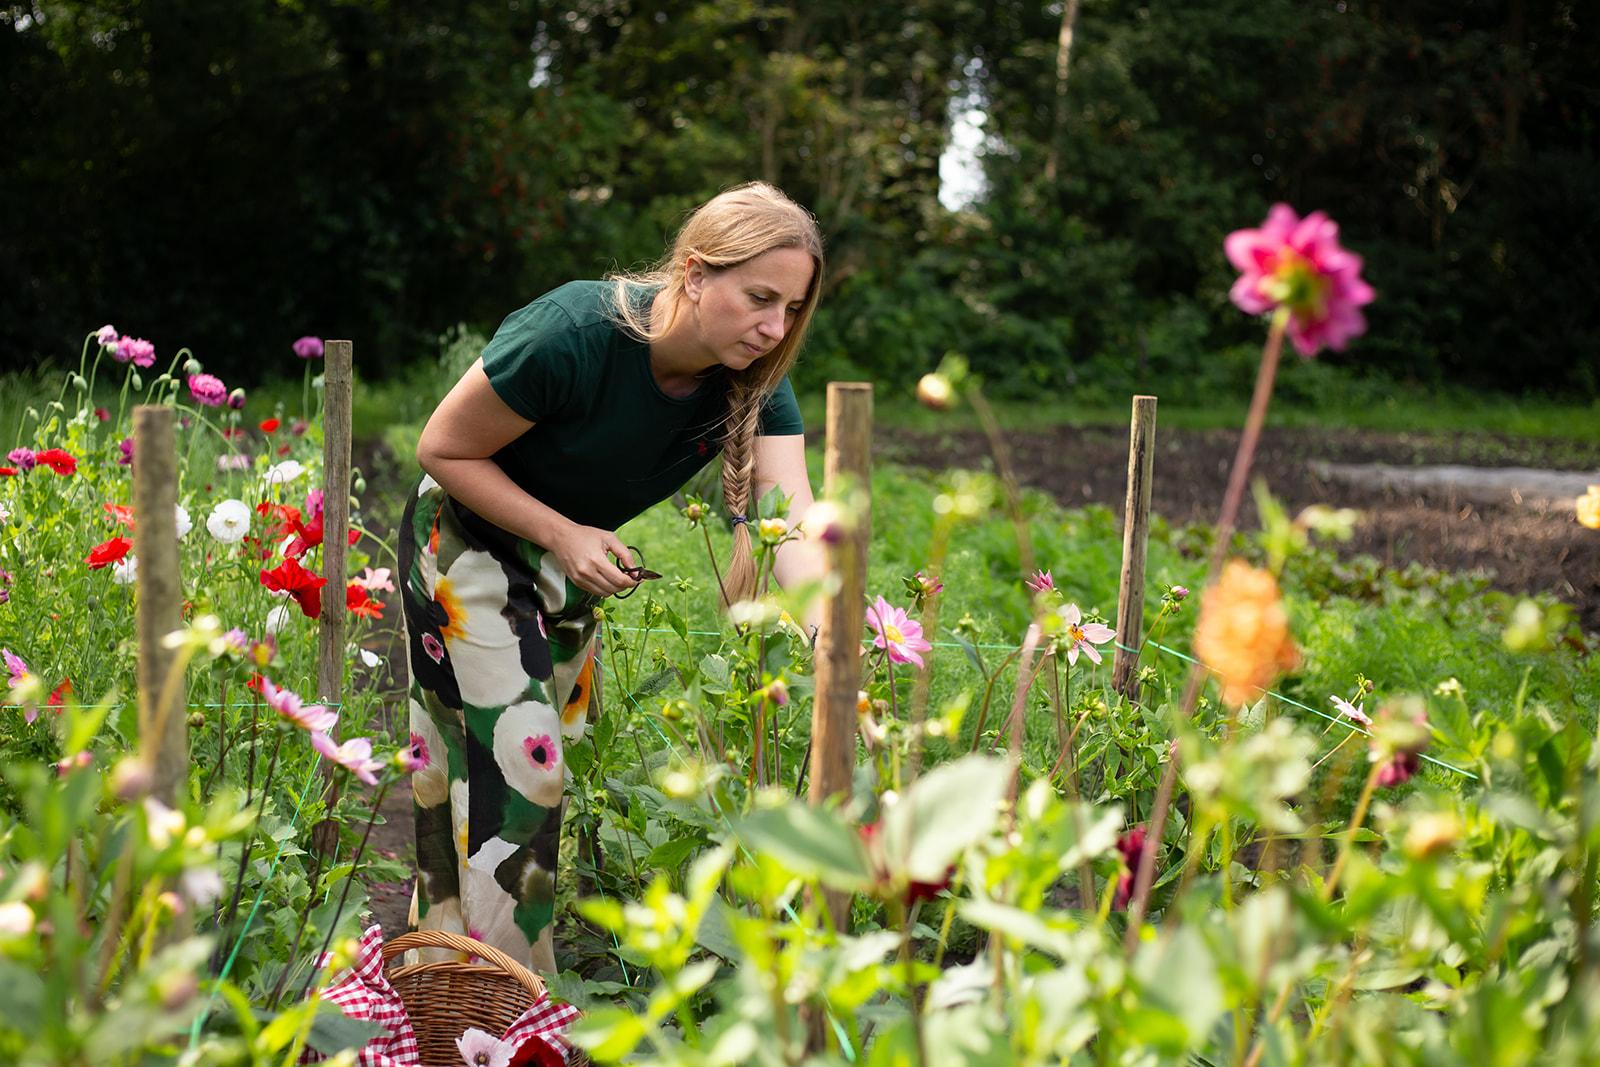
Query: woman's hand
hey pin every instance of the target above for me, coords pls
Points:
(585, 555)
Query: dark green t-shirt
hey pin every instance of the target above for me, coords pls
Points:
(607, 442)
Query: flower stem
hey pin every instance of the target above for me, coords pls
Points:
(1256, 419)
(355, 867)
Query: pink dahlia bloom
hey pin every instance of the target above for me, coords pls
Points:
(1040, 581)
(894, 631)
(313, 717)
(354, 756)
(1298, 264)
(208, 390)
(1083, 636)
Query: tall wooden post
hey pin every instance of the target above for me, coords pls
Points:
(846, 473)
(1135, 542)
(337, 383)
(163, 728)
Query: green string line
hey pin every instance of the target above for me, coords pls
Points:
(227, 967)
(1338, 720)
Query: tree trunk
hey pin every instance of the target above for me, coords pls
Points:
(1069, 20)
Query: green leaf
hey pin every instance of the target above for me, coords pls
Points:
(609, 1033)
(947, 810)
(670, 855)
(715, 671)
(22, 992)
(334, 1031)
(810, 842)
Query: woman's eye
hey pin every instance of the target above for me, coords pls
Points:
(758, 298)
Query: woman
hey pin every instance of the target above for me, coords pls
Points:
(589, 405)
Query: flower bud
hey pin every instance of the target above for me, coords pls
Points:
(78, 382)
(192, 366)
(131, 779)
(1432, 834)
(360, 484)
(934, 391)
(196, 720)
(16, 919)
(236, 399)
(135, 380)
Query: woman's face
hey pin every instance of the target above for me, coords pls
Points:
(743, 312)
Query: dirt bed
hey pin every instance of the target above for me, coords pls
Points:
(1524, 547)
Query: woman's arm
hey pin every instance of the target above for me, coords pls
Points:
(781, 462)
(468, 427)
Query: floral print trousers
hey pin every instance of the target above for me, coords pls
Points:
(501, 652)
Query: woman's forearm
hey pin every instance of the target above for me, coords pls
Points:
(489, 492)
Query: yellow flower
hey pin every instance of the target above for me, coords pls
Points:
(1243, 632)
(1589, 508)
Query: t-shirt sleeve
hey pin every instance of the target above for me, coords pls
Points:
(534, 361)
(780, 416)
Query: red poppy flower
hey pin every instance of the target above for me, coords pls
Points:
(359, 602)
(283, 450)
(289, 577)
(8, 472)
(121, 512)
(231, 432)
(255, 682)
(57, 460)
(537, 1052)
(103, 414)
(308, 535)
(107, 552)
(284, 519)
(59, 695)
(269, 425)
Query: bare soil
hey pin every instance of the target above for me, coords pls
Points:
(1531, 546)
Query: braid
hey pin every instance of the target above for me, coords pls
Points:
(738, 472)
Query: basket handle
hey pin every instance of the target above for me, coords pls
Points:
(470, 946)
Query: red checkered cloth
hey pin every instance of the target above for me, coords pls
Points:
(365, 993)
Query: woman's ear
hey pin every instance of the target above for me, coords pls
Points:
(694, 278)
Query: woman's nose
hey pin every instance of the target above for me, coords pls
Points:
(772, 325)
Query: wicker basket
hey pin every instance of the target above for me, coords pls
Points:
(444, 999)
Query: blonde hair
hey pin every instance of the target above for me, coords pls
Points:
(731, 228)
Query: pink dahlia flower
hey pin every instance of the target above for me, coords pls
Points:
(313, 717)
(894, 631)
(354, 756)
(1083, 636)
(1298, 264)
(208, 390)
(1040, 581)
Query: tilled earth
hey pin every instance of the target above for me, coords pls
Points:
(1523, 547)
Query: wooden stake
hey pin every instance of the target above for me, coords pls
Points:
(847, 468)
(1135, 541)
(163, 728)
(337, 381)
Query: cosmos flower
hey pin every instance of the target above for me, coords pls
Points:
(895, 632)
(1298, 264)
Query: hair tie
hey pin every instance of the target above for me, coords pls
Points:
(737, 519)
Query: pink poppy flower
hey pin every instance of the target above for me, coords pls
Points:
(481, 1049)
(541, 751)
(125, 447)
(354, 755)
(135, 350)
(208, 389)
(24, 458)
(1298, 264)
(308, 348)
(1083, 636)
(313, 717)
(1040, 582)
(374, 580)
(895, 632)
(433, 647)
(106, 336)
(313, 498)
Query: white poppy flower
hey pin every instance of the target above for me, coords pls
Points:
(229, 521)
(125, 571)
(185, 524)
(287, 471)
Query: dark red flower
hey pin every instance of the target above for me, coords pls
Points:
(537, 1052)
(1133, 846)
(289, 577)
(103, 414)
(107, 552)
(57, 460)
